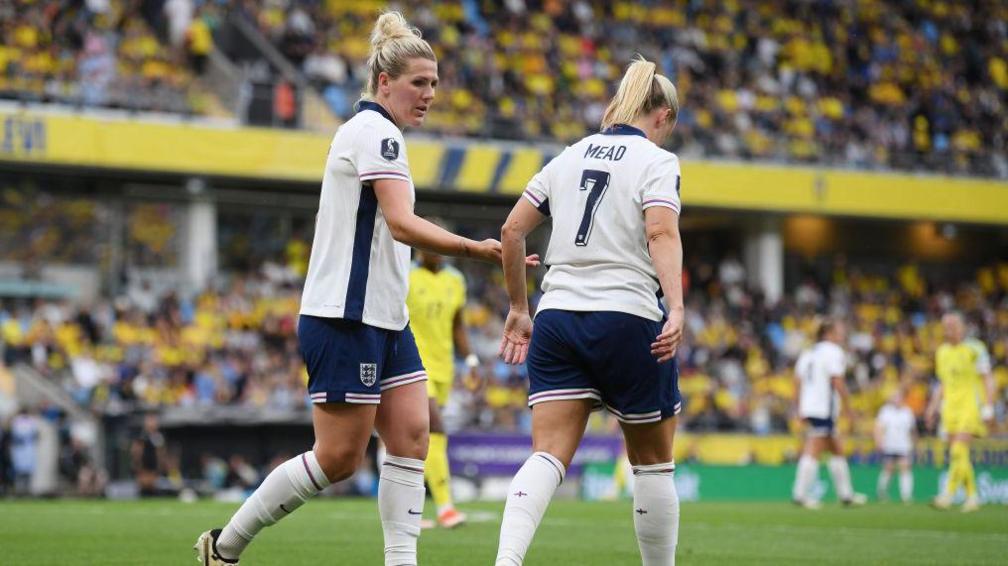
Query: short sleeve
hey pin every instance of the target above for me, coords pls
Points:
(380, 153)
(537, 191)
(660, 186)
(801, 366)
(837, 363)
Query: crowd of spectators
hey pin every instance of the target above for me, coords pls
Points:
(908, 85)
(916, 85)
(129, 54)
(236, 345)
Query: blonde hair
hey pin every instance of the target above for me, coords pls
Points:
(641, 91)
(393, 43)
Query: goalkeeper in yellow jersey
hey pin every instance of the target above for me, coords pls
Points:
(437, 294)
(964, 379)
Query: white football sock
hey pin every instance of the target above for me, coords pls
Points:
(400, 505)
(530, 493)
(906, 485)
(285, 489)
(841, 477)
(883, 484)
(805, 476)
(656, 513)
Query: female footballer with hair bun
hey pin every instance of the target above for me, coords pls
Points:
(363, 366)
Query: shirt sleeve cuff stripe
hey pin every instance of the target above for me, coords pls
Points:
(662, 202)
(533, 199)
(382, 175)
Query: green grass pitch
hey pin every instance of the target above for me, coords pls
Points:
(346, 532)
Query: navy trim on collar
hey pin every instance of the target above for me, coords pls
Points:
(623, 130)
(363, 105)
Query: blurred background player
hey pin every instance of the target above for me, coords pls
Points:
(895, 432)
(963, 369)
(822, 395)
(437, 295)
(148, 452)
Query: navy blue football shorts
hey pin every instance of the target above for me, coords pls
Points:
(820, 428)
(352, 362)
(605, 357)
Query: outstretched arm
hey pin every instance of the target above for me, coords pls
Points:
(414, 231)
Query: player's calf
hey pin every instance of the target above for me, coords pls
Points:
(656, 513)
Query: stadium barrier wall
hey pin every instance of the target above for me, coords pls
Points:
(503, 454)
(700, 482)
(481, 167)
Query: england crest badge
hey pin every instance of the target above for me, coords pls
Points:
(368, 374)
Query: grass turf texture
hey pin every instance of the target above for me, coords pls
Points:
(346, 532)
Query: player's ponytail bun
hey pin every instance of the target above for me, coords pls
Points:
(641, 91)
(393, 43)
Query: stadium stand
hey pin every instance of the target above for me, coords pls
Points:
(910, 85)
(236, 345)
(101, 54)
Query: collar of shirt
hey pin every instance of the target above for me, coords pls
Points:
(363, 105)
(623, 130)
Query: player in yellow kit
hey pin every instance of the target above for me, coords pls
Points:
(963, 369)
(436, 297)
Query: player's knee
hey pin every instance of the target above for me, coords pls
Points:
(558, 450)
(410, 442)
(338, 462)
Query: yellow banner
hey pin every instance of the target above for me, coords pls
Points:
(483, 167)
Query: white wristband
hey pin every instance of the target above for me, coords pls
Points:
(472, 361)
(987, 412)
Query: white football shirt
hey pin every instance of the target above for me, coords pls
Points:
(357, 271)
(816, 368)
(596, 191)
(897, 424)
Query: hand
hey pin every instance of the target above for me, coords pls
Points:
(487, 250)
(667, 343)
(517, 334)
(532, 260)
(987, 414)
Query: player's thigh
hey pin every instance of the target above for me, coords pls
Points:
(904, 463)
(835, 444)
(557, 427)
(815, 445)
(403, 420)
(888, 463)
(650, 443)
(635, 388)
(342, 431)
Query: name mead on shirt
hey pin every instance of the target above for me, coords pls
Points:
(610, 152)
